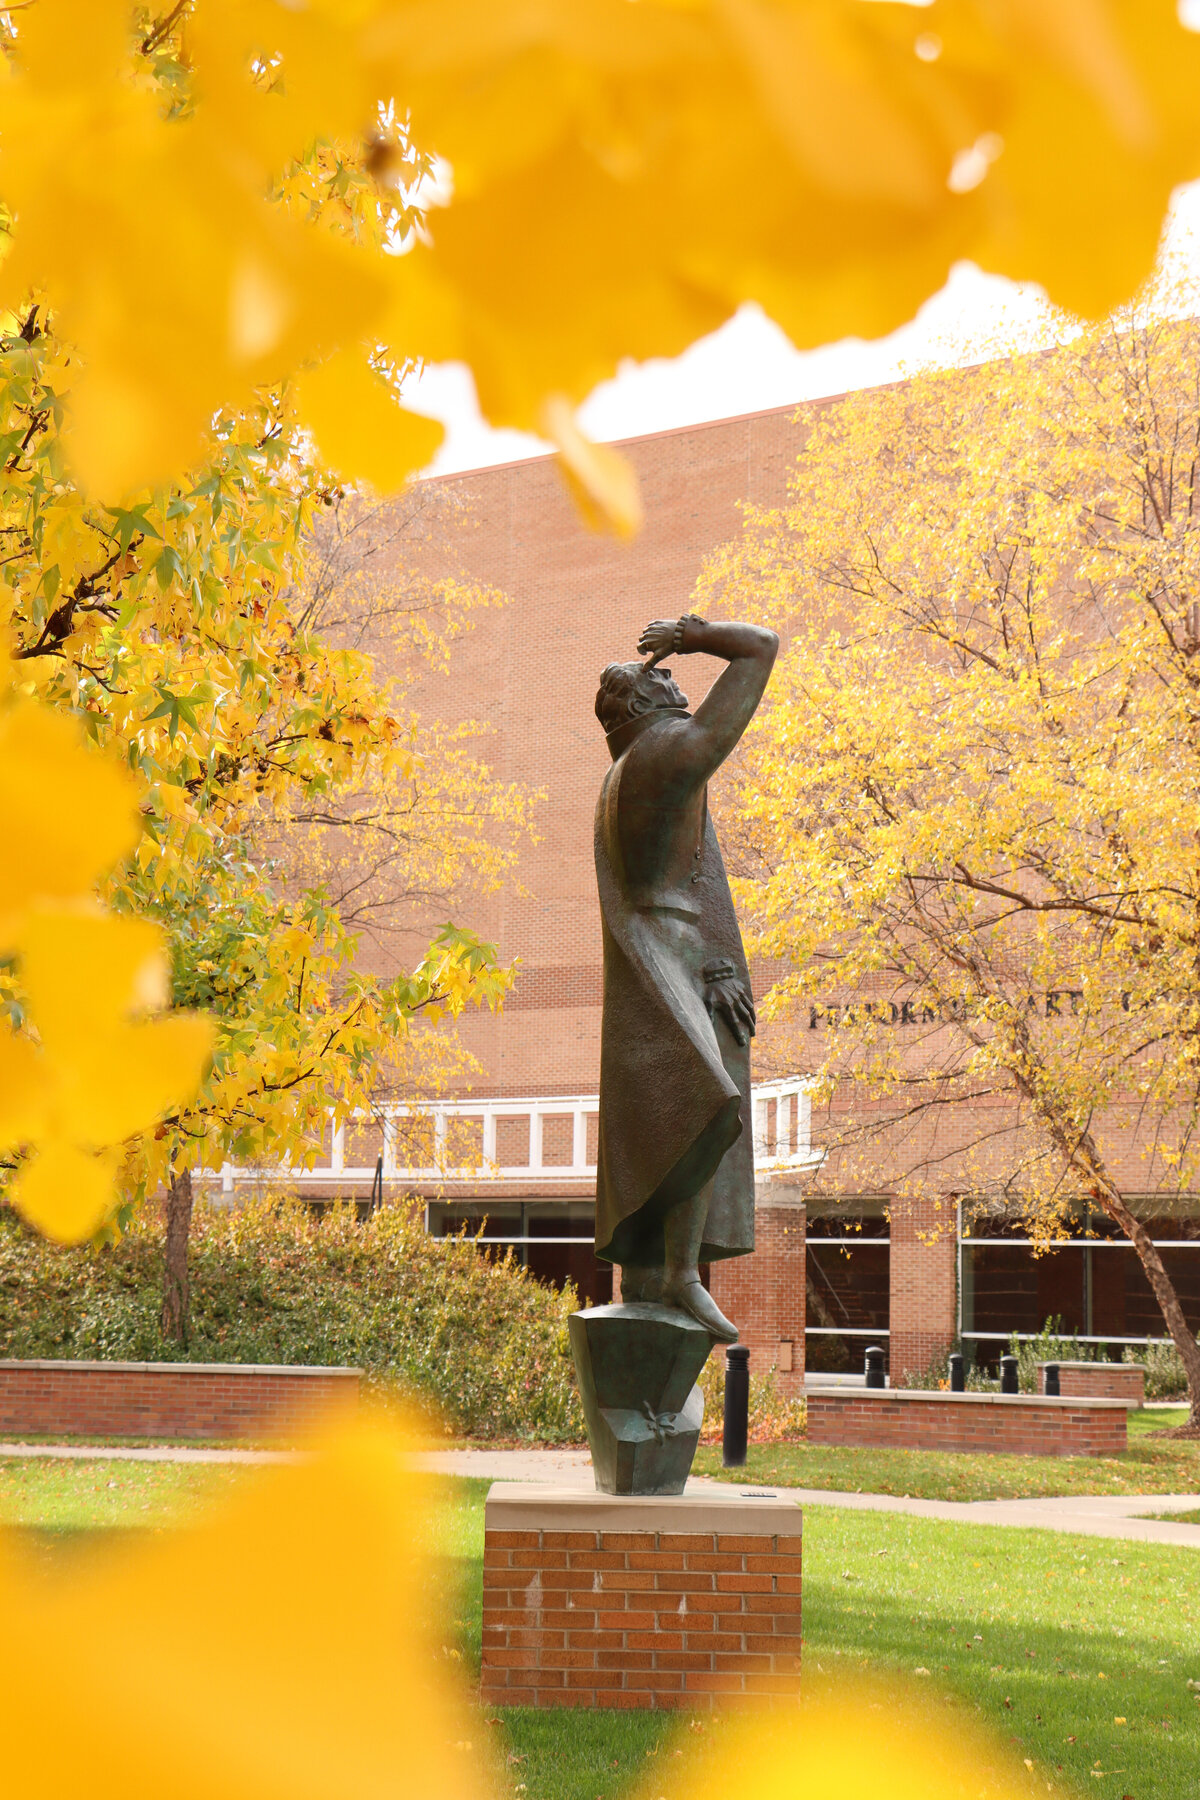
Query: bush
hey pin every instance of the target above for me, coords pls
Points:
(1166, 1378)
(775, 1417)
(935, 1376)
(1049, 1346)
(479, 1340)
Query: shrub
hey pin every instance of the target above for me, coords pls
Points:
(1166, 1378)
(775, 1417)
(935, 1375)
(1050, 1345)
(1165, 1375)
(478, 1340)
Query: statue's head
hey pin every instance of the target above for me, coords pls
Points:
(627, 690)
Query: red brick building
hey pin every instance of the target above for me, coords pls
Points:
(820, 1287)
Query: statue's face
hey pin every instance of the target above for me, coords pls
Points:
(669, 692)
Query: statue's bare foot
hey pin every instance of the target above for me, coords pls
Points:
(690, 1293)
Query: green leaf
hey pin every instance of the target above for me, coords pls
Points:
(130, 522)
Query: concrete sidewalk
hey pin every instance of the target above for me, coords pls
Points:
(1090, 1515)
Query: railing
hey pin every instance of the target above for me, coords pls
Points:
(781, 1113)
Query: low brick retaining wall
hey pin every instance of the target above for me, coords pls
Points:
(1099, 1380)
(1013, 1424)
(595, 1600)
(168, 1400)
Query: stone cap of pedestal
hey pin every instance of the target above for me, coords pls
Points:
(1104, 1368)
(536, 1506)
(942, 1396)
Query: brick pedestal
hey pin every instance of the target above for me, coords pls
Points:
(597, 1600)
(1012, 1424)
(764, 1294)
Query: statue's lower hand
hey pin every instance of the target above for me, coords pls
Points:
(728, 998)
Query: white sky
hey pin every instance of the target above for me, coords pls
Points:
(749, 364)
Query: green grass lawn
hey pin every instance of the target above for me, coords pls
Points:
(1053, 1639)
(1049, 1639)
(1077, 1652)
(1151, 1465)
(77, 1495)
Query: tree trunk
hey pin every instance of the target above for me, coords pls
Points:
(176, 1288)
(1086, 1157)
(1081, 1153)
(1168, 1300)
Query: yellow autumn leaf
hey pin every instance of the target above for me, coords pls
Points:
(69, 542)
(836, 1743)
(131, 1075)
(623, 177)
(296, 941)
(96, 1074)
(22, 1089)
(64, 1192)
(358, 426)
(84, 970)
(285, 1647)
(602, 482)
(67, 813)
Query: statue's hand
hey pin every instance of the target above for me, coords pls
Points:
(657, 639)
(728, 998)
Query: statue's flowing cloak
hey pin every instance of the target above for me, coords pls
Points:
(674, 1085)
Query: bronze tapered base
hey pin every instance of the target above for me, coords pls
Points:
(637, 1365)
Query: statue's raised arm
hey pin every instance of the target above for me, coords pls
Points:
(723, 716)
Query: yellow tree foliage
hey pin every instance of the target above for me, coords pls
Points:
(94, 1069)
(971, 797)
(232, 705)
(620, 177)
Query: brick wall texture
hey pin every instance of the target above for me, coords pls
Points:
(923, 1292)
(650, 1619)
(168, 1400)
(1099, 1380)
(765, 1293)
(1006, 1424)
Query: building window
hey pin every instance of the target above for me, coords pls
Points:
(553, 1239)
(1094, 1282)
(848, 1274)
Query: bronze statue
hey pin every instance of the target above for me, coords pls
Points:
(675, 1181)
(675, 1176)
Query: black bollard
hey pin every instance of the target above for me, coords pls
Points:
(1053, 1384)
(958, 1374)
(1008, 1375)
(737, 1406)
(874, 1368)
